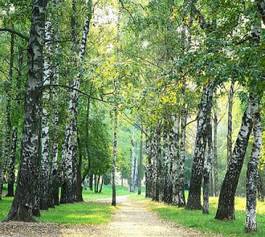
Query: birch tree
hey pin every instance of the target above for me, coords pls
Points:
(69, 155)
(226, 204)
(194, 198)
(252, 175)
(24, 201)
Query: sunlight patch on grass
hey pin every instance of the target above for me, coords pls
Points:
(207, 223)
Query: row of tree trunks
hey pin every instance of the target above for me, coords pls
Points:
(98, 183)
(166, 157)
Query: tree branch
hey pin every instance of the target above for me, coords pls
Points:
(79, 91)
(14, 32)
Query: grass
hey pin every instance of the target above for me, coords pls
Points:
(106, 193)
(78, 213)
(88, 212)
(207, 223)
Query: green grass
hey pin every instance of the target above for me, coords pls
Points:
(105, 194)
(5, 204)
(88, 212)
(78, 213)
(207, 223)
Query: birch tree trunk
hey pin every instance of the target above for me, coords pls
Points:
(45, 125)
(226, 202)
(11, 165)
(194, 198)
(79, 196)
(140, 165)
(157, 163)
(175, 151)
(24, 201)
(260, 187)
(182, 156)
(115, 148)
(215, 155)
(8, 124)
(69, 154)
(53, 198)
(230, 121)
(148, 170)
(167, 162)
(1, 178)
(252, 176)
(207, 168)
(133, 177)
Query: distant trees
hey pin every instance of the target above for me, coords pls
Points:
(204, 46)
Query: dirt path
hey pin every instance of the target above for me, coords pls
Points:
(134, 219)
(131, 219)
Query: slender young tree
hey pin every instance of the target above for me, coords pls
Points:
(115, 146)
(166, 179)
(149, 167)
(230, 121)
(134, 162)
(11, 165)
(207, 167)
(140, 165)
(54, 98)
(215, 155)
(8, 109)
(182, 158)
(175, 161)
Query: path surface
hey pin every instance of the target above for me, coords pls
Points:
(132, 218)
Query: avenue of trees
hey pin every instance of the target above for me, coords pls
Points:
(169, 92)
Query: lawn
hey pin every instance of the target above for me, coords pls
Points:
(88, 212)
(207, 223)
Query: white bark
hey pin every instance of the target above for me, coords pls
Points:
(44, 176)
(252, 175)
